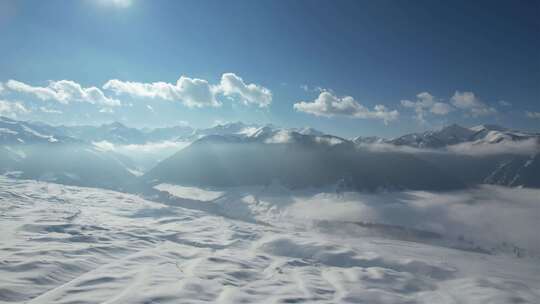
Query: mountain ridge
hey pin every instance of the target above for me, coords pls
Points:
(480, 154)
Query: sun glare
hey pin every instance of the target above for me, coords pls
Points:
(117, 3)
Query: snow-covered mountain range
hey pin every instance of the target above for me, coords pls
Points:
(21, 132)
(452, 135)
(456, 155)
(39, 151)
(295, 160)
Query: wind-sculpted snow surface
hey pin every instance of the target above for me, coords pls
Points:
(61, 244)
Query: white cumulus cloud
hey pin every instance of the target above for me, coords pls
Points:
(328, 105)
(232, 85)
(468, 101)
(64, 91)
(196, 92)
(160, 90)
(193, 92)
(426, 102)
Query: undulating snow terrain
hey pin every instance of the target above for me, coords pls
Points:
(66, 244)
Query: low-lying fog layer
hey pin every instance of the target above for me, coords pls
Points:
(61, 244)
(525, 147)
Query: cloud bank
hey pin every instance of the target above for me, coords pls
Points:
(464, 101)
(193, 92)
(524, 147)
(329, 105)
(65, 92)
(486, 215)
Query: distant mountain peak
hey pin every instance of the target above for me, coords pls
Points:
(115, 125)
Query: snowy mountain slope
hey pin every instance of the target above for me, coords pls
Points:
(20, 132)
(241, 129)
(85, 245)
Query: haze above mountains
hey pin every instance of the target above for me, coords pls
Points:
(118, 157)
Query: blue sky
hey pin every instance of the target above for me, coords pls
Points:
(345, 67)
